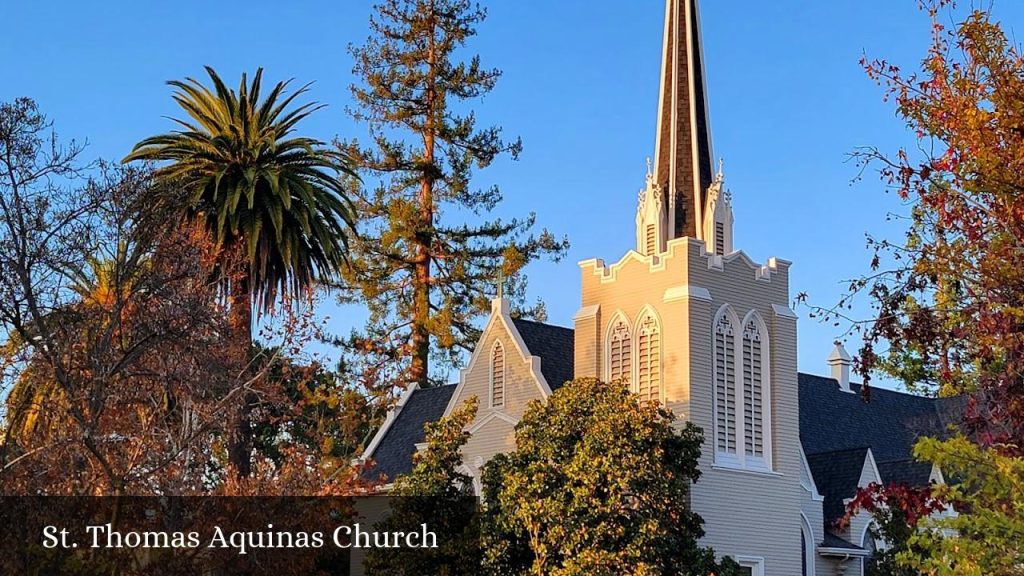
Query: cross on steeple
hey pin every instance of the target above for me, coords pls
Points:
(683, 157)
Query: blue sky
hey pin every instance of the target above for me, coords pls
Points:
(788, 102)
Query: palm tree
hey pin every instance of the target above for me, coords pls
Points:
(273, 203)
(101, 284)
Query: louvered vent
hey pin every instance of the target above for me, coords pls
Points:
(648, 385)
(725, 385)
(753, 401)
(620, 352)
(498, 376)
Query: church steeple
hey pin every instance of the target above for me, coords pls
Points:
(683, 157)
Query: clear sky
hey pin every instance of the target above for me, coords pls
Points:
(788, 102)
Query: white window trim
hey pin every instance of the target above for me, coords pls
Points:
(740, 460)
(724, 459)
(607, 370)
(765, 462)
(755, 563)
(490, 376)
(809, 544)
(634, 383)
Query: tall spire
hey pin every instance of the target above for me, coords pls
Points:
(683, 157)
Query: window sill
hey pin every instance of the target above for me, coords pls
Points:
(751, 471)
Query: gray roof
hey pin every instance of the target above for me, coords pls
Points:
(836, 475)
(889, 423)
(393, 455)
(837, 428)
(909, 472)
(833, 541)
(554, 345)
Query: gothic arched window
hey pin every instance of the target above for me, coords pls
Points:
(806, 548)
(725, 383)
(753, 391)
(870, 563)
(497, 375)
(620, 350)
(742, 398)
(648, 358)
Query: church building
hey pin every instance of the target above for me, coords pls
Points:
(688, 319)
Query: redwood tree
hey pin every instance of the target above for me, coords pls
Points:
(425, 262)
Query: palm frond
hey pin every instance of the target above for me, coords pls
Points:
(294, 223)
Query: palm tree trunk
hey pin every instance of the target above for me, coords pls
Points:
(241, 434)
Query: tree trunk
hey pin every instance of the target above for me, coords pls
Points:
(420, 367)
(240, 319)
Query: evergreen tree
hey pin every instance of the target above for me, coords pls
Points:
(427, 256)
(598, 484)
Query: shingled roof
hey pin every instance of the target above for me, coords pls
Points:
(837, 543)
(836, 475)
(832, 420)
(837, 428)
(909, 472)
(393, 456)
(554, 346)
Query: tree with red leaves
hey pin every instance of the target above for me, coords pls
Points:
(949, 296)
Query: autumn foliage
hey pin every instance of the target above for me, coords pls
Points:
(949, 297)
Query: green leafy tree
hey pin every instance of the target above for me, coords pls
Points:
(437, 494)
(598, 484)
(986, 537)
(425, 259)
(273, 202)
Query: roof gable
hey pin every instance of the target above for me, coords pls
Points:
(405, 429)
(837, 475)
(554, 345)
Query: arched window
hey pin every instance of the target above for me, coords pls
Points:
(620, 350)
(648, 358)
(753, 391)
(725, 383)
(868, 543)
(756, 393)
(806, 548)
(498, 375)
(742, 408)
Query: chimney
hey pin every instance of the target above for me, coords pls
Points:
(840, 361)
